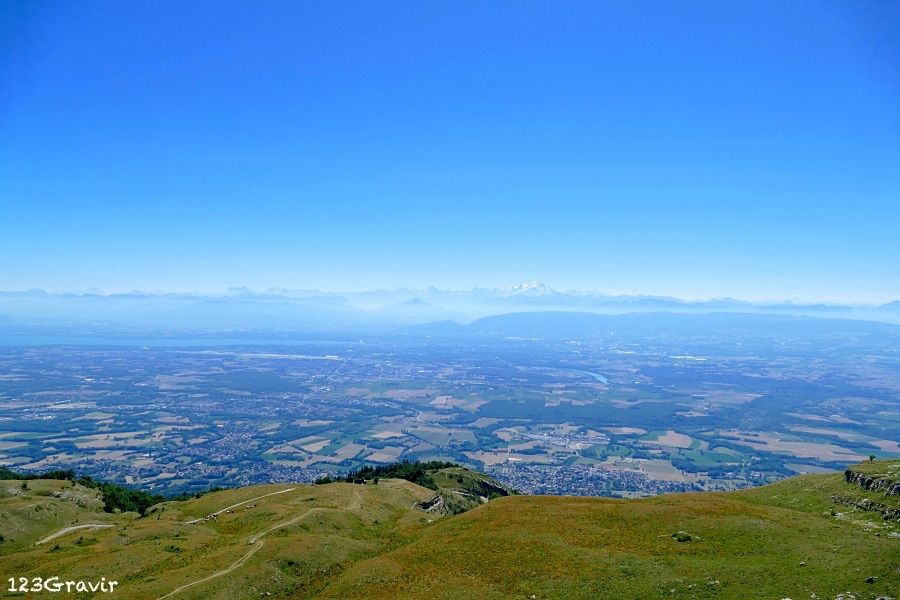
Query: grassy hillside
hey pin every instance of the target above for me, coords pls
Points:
(44, 505)
(344, 540)
(461, 489)
(456, 489)
(779, 541)
(286, 539)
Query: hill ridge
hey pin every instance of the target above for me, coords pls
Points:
(790, 539)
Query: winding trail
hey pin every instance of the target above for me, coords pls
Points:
(233, 566)
(227, 508)
(257, 542)
(66, 530)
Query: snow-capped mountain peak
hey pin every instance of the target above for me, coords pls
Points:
(533, 288)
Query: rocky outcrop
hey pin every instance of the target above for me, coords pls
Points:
(881, 490)
(885, 485)
(888, 513)
(435, 504)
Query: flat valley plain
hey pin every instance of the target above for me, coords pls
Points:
(631, 413)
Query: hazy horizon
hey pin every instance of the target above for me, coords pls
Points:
(524, 287)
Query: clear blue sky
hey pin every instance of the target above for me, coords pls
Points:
(701, 149)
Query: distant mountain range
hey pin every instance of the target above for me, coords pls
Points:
(241, 309)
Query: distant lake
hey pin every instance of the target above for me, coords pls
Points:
(596, 376)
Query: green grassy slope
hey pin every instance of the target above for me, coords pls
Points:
(773, 542)
(340, 540)
(461, 489)
(45, 506)
(287, 543)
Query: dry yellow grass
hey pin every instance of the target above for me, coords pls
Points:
(352, 541)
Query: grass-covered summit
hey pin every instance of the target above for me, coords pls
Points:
(457, 489)
(806, 537)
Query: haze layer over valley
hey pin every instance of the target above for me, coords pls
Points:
(284, 312)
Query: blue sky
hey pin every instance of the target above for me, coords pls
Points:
(692, 149)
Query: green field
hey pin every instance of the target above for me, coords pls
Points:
(341, 540)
